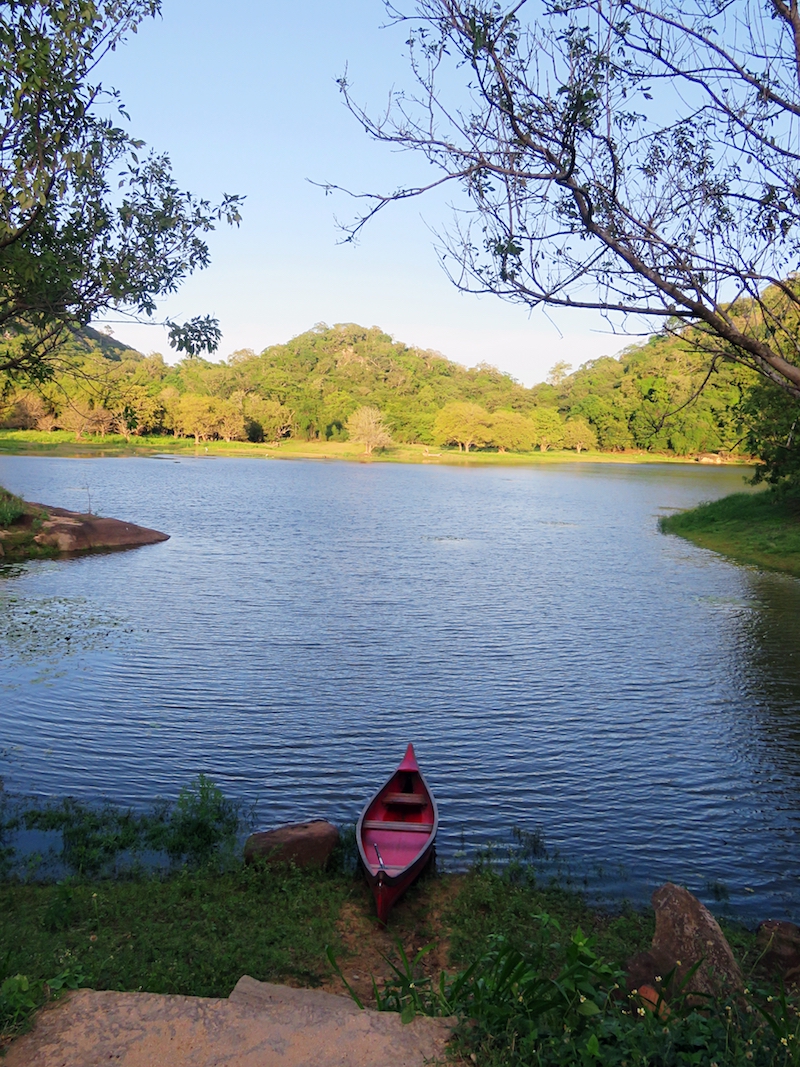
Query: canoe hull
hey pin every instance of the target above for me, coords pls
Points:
(396, 832)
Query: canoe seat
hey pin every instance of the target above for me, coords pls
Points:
(406, 800)
(413, 827)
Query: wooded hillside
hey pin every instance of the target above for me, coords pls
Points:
(309, 387)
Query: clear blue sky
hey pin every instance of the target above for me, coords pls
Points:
(243, 98)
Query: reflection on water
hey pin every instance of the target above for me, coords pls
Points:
(557, 661)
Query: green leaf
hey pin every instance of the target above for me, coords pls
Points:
(588, 1008)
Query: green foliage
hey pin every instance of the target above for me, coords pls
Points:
(20, 996)
(88, 221)
(310, 387)
(11, 507)
(561, 1003)
(774, 436)
(201, 824)
(463, 423)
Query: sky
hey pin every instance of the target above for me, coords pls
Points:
(243, 98)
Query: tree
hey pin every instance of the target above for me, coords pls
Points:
(366, 425)
(578, 434)
(197, 416)
(464, 424)
(640, 157)
(510, 430)
(88, 222)
(547, 428)
(774, 435)
(266, 420)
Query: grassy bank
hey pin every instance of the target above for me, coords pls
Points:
(537, 976)
(19, 525)
(748, 527)
(534, 973)
(65, 443)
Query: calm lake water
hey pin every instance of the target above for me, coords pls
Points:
(558, 663)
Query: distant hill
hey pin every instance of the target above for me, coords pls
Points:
(645, 399)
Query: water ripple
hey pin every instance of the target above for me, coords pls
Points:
(548, 651)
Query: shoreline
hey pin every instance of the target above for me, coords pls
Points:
(63, 443)
(755, 529)
(44, 532)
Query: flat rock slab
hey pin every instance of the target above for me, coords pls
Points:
(259, 1025)
(69, 531)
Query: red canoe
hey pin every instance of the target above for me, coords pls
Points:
(395, 833)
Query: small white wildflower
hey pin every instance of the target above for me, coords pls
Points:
(641, 1011)
(582, 999)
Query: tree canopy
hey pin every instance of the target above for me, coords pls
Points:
(88, 219)
(312, 386)
(641, 157)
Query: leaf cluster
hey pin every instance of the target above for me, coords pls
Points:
(88, 221)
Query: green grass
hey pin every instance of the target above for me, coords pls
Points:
(751, 528)
(196, 932)
(65, 443)
(11, 507)
(491, 903)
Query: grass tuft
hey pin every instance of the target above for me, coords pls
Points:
(11, 507)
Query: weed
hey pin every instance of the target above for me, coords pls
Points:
(11, 507)
(20, 996)
(344, 859)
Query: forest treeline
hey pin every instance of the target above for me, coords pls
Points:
(308, 388)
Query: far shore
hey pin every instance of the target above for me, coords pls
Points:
(66, 444)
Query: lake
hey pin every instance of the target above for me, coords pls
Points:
(559, 664)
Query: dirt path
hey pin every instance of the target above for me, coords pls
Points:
(416, 922)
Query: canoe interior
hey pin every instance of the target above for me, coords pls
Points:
(401, 820)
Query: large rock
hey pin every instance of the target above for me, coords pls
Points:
(69, 531)
(779, 945)
(259, 1025)
(686, 933)
(306, 844)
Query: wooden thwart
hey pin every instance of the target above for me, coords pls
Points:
(414, 827)
(406, 800)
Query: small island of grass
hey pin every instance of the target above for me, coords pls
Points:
(757, 528)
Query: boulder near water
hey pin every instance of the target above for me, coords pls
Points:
(779, 944)
(686, 934)
(306, 844)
